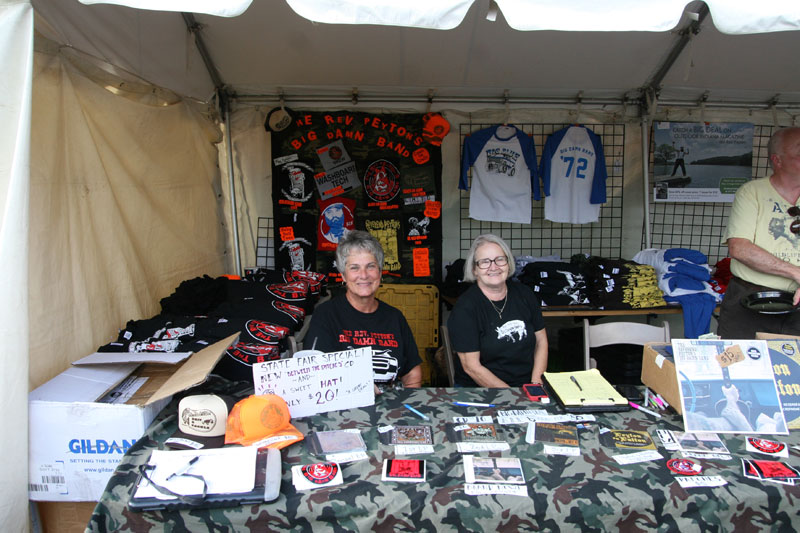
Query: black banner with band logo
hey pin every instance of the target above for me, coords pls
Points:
(338, 171)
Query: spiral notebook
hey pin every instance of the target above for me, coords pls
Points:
(584, 391)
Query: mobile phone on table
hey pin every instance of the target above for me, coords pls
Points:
(534, 392)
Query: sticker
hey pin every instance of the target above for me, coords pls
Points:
(732, 354)
(422, 264)
(433, 209)
(382, 181)
(287, 233)
(421, 156)
(320, 473)
(316, 475)
(769, 447)
(685, 467)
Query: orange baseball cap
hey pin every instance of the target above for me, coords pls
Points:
(262, 419)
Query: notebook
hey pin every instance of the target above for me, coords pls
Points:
(584, 391)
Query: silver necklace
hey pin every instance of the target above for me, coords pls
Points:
(502, 308)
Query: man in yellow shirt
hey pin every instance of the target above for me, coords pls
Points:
(763, 238)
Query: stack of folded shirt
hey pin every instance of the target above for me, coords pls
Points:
(685, 278)
(620, 284)
(556, 283)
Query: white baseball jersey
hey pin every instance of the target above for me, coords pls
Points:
(573, 171)
(503, 161)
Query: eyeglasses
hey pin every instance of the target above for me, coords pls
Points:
(794, 211)
(500, 261)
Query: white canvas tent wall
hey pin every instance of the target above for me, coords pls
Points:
(109, 265)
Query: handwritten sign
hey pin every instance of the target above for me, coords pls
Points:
(320, 382)
(732, 354)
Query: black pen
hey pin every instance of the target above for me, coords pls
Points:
(576, 382)
(185, 468)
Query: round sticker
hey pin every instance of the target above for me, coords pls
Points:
(382, 181)
(320, 473)
(684, 467)
(766, 446)
(421, 156)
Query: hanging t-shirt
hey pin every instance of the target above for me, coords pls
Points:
(503, 161)
(573, 170)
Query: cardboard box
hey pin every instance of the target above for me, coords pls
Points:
(65, 517)
(76, 441)
(658, 373)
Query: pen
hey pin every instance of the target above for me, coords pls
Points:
(425, 417)
(576, 382)
(474, 404)
(644, 409)
(659, 402)
(185, 468)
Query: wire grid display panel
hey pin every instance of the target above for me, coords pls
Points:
(265, 252)
(542, 237)
(699, 226)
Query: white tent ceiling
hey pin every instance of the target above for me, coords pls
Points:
(271, 49)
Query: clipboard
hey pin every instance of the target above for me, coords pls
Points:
(584, 391)
(266, 489)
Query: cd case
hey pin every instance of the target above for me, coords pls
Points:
(472, 432)
(407, 435)
(335, 441)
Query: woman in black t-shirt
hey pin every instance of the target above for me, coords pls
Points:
(496, 326)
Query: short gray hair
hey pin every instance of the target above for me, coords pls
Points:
(480, 240)
(775, 145)
(358, 240)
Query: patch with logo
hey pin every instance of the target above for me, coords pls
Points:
(769, 447)
(316, 476)
(684, 467)
(382, 181)
(266, 332)
(320, 473)
(201, 420)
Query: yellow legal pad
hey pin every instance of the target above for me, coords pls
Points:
(584, 391)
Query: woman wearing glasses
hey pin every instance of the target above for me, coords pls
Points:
(496, 327)
(358, 319)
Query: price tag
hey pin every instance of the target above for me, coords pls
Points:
(732, 354)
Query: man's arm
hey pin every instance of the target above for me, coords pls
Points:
(759, 259)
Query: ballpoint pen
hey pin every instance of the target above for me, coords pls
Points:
(473, 404)
(185, 468)
(425, 417)
(576, 382)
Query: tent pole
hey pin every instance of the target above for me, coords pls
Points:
(234, 213)
(646, 193)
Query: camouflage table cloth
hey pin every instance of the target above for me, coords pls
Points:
(591, 492)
